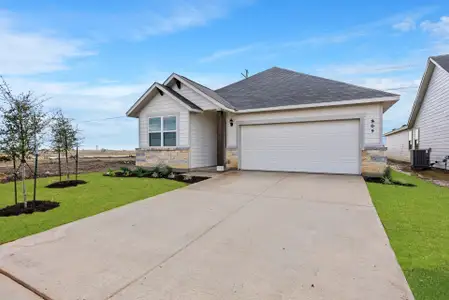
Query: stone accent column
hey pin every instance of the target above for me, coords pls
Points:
(374, 161)
(232, 159)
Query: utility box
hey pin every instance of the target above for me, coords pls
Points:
(420, 159)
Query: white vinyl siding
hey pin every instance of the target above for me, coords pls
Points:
(369, 112)
(397, 146)
(316, 147)
(194, 97)
(164, 106)
(433, 117)
(203, 132)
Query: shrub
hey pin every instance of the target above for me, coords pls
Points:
(126, 171)
(164, 170)
(387, 174)
(140, 172)
(110, 172)
(387, 177)
(155, 175)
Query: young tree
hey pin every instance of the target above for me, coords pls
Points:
(65, 137)
(21, 127)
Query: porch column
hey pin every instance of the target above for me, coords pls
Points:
(221, 140)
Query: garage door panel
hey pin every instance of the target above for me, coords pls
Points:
(321, 147)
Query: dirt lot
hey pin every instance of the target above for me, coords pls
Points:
(437, 176)
(89, 161)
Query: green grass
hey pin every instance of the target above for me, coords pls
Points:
(416, 220)
(99, 194)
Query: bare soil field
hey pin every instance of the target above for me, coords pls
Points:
(89, 161)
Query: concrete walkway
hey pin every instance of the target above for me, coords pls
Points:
(242, 235)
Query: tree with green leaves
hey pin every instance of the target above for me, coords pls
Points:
(22, 126)
(65, 137)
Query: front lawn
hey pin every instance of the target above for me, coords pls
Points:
(416, 220)
(98, 195)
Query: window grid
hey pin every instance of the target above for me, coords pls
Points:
(162, 131)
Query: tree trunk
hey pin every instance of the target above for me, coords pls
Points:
(67, 164)
(76, 163)
(59, 165)
(36, 161)
(24, 189)
(15, 180)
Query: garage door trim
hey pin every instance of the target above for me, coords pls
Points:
(360, 118)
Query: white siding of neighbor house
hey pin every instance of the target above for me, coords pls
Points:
(194, 97)
(397, 146)
(164, 106)
(433, 117)
(368, 111)
(203, 139)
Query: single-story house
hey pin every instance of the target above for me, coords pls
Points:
(428, 124)
(275, 120)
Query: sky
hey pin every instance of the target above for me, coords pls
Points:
(93, 59)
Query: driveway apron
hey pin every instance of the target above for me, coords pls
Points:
(240, 235)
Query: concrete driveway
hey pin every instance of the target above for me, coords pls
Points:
(241, 235)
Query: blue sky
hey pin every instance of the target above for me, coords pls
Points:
(93, 59)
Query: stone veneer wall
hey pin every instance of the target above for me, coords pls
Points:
(232, 159)
(177, 158)
(374, 162)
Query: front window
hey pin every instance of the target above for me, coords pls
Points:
(162, 131)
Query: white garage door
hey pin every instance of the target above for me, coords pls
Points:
(316, 147)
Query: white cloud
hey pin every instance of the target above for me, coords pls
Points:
(439, 28)
(336, 38)
(364, 68)
(181, 18)
(25, 53)
(394, 84)
(226, 53)
(407, 24)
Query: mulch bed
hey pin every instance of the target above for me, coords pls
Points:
(33, 206)
(191, 180)
(65, 184)
(178, 177)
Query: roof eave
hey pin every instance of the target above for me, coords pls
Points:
(389, 99)
(395, 131)
(134, 111)
(423, 86)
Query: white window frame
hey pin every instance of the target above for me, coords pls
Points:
(162, 131)
(416, 138)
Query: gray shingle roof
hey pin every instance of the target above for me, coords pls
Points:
(209, 92)
(443, 61)
(182, 98)
(281, 87)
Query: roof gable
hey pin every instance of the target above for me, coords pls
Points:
(207, 93)
(153, 90)
(278, 87)
(441, 61)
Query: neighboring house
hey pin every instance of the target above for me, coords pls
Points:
(428, 124)
(397, 142)
(276, 120)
